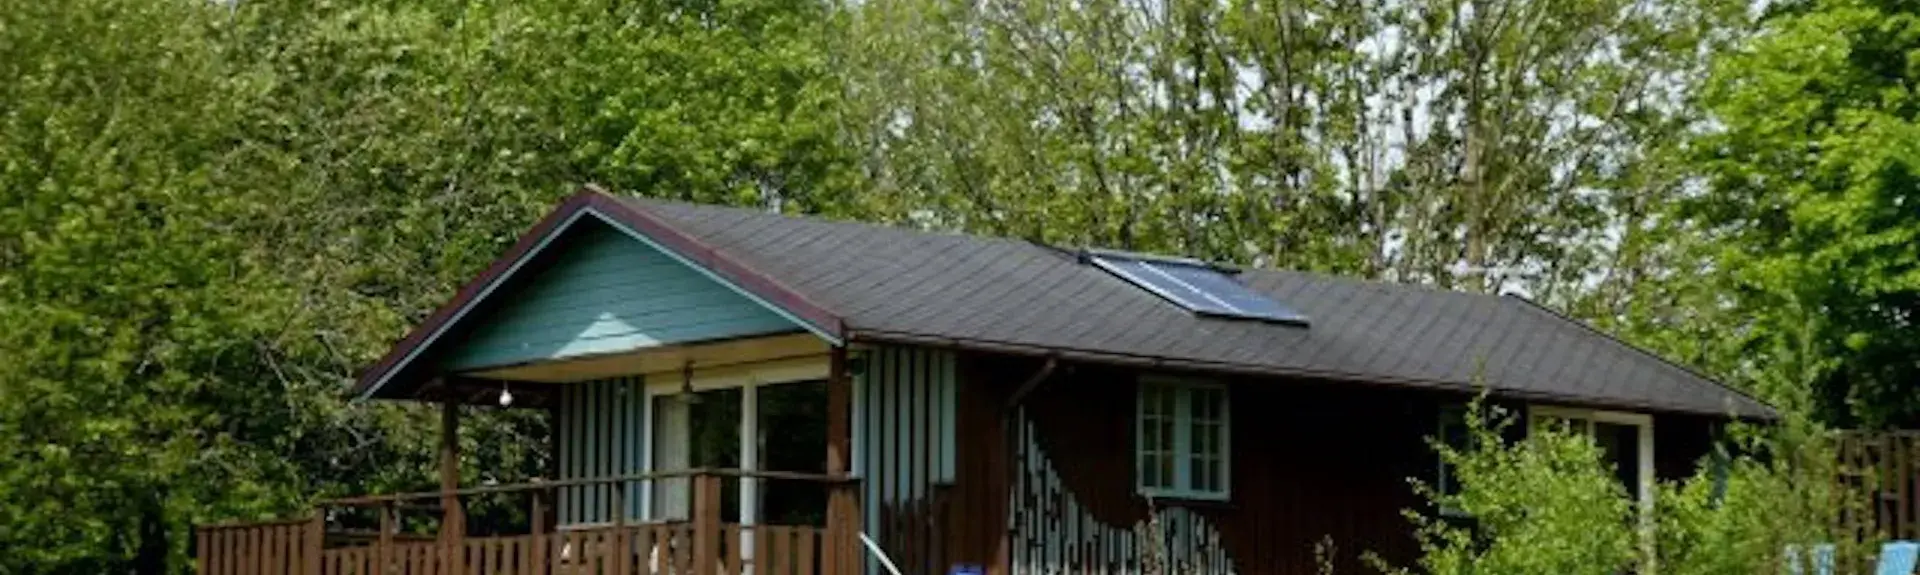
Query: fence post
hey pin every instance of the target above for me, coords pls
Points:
(453, 525)
(706, 524)
(383, 544)
(541, 552)
(316, 540)
(622, 551)
(201, 551)
(840, 554)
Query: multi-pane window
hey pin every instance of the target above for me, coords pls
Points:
(1182, 448)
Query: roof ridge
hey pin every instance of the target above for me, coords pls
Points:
(1537, 306)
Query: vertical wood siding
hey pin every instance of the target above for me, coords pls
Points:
(908, 426)
(1052, 532)
(600, 430)
(608, 292)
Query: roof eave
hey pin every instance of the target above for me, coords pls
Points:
(854, 334)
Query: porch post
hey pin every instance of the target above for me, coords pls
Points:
(839, 412)
(749, 462)
(453, 524)
(840, 551)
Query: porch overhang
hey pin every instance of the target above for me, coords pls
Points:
(705, 357)
(406, 366)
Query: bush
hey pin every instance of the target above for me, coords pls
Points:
(1549, 505)
(1771, 488)
(1545, 505)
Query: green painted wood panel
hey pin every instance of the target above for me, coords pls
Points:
(600, 429)
(905, 428)
(609, 292)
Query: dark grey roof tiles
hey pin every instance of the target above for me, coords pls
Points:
(886, 282)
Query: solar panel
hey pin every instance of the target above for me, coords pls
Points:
(1196, 286)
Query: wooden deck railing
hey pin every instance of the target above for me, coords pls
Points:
(702, 545)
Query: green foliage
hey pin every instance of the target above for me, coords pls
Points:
(1811, 184)
(212, 214)
(215, 214)
(1543, 505)
(1548, 504)
(1481, 145)
(1738, 513)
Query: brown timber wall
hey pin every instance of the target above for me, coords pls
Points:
(1050, 485)
(1310, 463)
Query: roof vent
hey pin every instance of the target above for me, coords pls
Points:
(1200, 287)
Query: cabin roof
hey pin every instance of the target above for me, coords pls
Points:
(860, 282)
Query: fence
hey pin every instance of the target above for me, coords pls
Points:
(703, 545)
(1880, 467)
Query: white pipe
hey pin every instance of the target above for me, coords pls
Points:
(882, 555)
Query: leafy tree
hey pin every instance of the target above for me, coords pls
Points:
(1811, 187)
(216, 213)
(124, 411)
(1484, 145)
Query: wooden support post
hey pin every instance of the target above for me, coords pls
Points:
(622, 550)
(202, 551)
(538, 520)
(840, 555)
(383, 544)
(839, 413)
(706, 524)
(453, 525)
(316, 541)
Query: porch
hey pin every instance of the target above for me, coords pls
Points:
(427, 533)
(702, 458)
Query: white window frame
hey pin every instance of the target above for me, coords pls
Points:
(1182, 442)
(1642, 421)
(746, 377)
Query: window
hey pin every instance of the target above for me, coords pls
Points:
(1625, 441)
(1182, 440)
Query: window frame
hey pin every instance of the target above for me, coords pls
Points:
(1182, 448)
(1645, 438)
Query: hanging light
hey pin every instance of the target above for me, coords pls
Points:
(506, 395)
(686, 383)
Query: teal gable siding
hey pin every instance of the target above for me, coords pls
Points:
(610, 292)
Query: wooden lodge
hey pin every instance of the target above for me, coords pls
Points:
(735, 391)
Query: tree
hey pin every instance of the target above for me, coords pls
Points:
(216, 213)
(119, 290)
(1810, 183)
(1487, 145)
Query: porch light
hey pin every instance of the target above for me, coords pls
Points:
(686, 383)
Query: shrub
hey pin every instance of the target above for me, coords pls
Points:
(1545, 505)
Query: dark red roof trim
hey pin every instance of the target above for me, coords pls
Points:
(637, 220)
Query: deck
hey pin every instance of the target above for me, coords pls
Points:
(325, 542)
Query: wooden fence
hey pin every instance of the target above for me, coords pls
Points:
(703, 546)
(1882, 468)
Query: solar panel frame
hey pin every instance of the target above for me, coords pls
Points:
(1196, 286)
